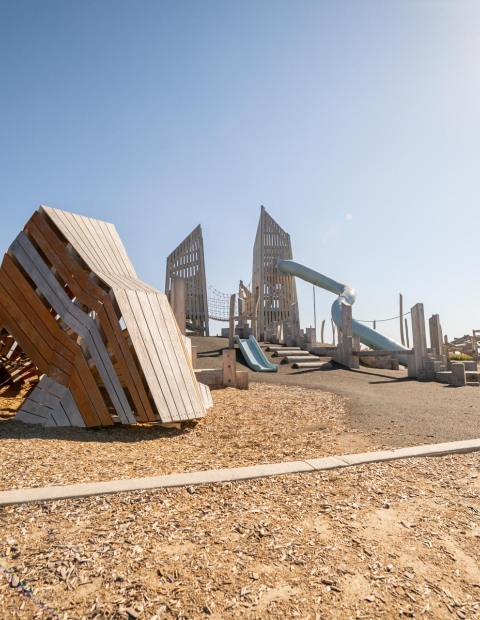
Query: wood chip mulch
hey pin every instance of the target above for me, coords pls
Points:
(266, 424)
(390, 540)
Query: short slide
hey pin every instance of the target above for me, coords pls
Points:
(254, 356)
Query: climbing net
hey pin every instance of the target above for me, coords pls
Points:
(219, 304)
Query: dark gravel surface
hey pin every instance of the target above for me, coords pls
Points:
(397, 410)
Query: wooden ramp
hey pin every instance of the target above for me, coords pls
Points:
(66, 287)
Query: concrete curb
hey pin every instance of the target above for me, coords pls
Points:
(71, 491)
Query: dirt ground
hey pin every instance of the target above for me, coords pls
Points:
(384, 405)
(392, 540)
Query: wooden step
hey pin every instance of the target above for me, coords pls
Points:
(294, 359)
(285, 352)
(319, 365)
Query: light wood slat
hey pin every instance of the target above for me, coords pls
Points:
(127, 369)
(157, 364)
(177, 351)
(108, 246)
(114, 251)
(114, 280)
(129, 269)
(59, 308)
(67, 228)
(103, 256)
(143, 354)
(167, 354)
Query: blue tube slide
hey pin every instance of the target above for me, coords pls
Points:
(346, 295)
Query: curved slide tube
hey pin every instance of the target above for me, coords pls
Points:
(346, 295)
(254, 356)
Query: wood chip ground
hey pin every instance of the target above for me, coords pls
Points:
(265, 424)
(395, 540)
(390, 540)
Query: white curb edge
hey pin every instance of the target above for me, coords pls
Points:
(72, 491)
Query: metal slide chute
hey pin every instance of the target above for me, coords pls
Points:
(254, 356)
(346, 295)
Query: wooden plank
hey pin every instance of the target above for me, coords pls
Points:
(143, 354)
(229, 366)
(45, 398)
(47, 384)
(125, 361)
(38, 308)
(71, 410)
(128, 268)
(68, 269)
(21, 329)
(419, 340)
(60, 417)
(180, 407)
(85, 400)
(179, 357)
(77, 320)
(242, 380)
(177, 301)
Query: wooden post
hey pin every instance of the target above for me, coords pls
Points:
(436, 339)
(406, 334)
(194, 357)
(402, 337)
(419, 340)
(177, 301)
(231, 324)
(229, 366)
(242, 379)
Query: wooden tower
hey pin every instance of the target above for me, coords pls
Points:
(187, 261)
(274, 294)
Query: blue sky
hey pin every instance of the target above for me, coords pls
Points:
(356, 124)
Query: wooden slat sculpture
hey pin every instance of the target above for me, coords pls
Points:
(187, 261)
(65, 285)
(15, 366)
(275, 293)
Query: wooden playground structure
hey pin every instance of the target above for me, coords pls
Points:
(103, 347)
(106, 345)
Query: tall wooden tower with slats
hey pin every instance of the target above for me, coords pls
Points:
(187, 261)
(275, 294)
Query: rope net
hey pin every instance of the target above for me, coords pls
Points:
(219, 304)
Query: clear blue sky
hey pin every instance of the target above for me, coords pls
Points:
(356, 124)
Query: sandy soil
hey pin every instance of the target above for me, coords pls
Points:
(379, 541)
